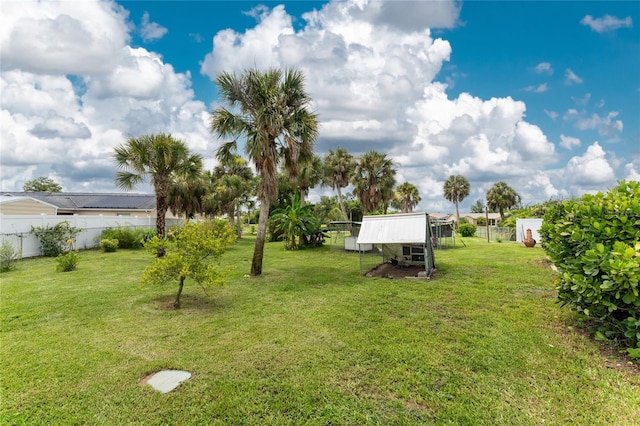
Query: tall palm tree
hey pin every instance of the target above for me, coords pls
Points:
(159, 158)
(340, 166)
(271, 114)
(408, 196)
(185, 196)
(501, 196)
(309, 175)
(456, 189)
(373, 180)
(231, 183)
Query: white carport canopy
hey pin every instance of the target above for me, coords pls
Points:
(404, 228)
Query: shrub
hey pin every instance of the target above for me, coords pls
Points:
(145, 234)
(109, 245)
(467, 230)
(8, 256)
(594, 242)
(57, 239)
(128, 238)
(67, 262)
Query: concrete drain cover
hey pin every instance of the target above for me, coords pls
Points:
(166, 380)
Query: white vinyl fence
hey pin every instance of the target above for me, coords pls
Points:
(16, 229)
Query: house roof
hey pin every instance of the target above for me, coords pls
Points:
(441, 216)
(91, 201)
(479, 215)
(7, 199)
(403, 228)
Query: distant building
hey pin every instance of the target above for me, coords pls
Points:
(72, 203)
(494, 218)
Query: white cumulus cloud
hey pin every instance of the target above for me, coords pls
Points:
(606, 23)
(571, 78)
(151, 30)
(569, 142)
(72, 89)
(591, 170)
(544, 68)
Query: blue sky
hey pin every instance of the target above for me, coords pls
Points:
(542, 95)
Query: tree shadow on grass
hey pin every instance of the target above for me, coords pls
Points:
(191, 302)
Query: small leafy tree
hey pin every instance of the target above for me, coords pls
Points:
(190, 252)
(477, 207)
(55, 240)
(594, 241)
(42, 184)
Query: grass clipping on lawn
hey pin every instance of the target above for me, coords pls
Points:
(309, 342)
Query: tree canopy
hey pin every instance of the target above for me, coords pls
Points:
(42, 184)
(408, 196)
(373, 180)
(501, 196)
(269, 112)
(456, 189)
(339, 167)
(160, 158)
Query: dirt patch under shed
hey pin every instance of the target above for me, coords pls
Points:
(387, 270)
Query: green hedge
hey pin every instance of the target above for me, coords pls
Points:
(594, 241)
(467, 230)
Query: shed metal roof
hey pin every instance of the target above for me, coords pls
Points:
(406, 228)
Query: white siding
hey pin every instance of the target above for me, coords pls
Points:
(523, 224)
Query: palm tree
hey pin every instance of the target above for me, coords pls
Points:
(231, 184)
(271, 114)
(373, 180)
(501, 196)
(408, 196)
(456, 189)
(159, 158)
(340, 166)
(309, 175)
(185, 196)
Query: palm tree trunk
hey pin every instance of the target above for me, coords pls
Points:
(341, 201)
(161, 211)
(230, 216)
(258, 251)
(238, 222)
(457, 215)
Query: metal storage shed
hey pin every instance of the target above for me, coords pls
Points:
(405, 239)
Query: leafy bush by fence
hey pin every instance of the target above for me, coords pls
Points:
(594, 241)
(467, 230)
(16, 229)
(129, 238)
(55, 240)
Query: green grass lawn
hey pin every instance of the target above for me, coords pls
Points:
(310, 342)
